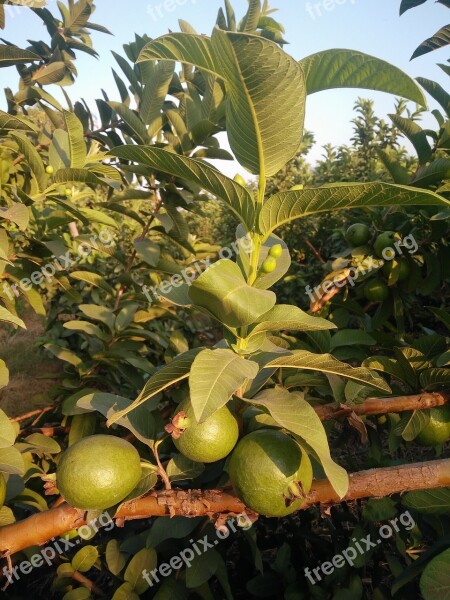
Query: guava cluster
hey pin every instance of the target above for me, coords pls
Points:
(376, 288)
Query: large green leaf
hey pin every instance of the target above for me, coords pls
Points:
(291, 318)
(325, 363)
(12, 55)
(416, 135)
(338, 68)
(197, 171)
(266, 92)
(168, 375)
(8, 317)
(154, 95)
(288, 206)
(215, 376)
(225, 294)
(429, 501)
(77, 144)
(435, 580)
(32, 158)
(15, 123)
(291, 411)
(7, 430)
(138, 128)
(18, 214)
(440, 39)
(408, 4)
(4, 377)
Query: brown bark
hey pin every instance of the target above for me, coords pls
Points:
(41, 527)
(378, 406)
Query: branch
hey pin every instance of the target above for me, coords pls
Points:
(379, 406)
(215, 504)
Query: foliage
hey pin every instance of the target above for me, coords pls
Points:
(96, 214)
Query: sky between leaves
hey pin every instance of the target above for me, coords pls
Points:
(371, 26)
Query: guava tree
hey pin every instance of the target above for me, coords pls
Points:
(244, 396)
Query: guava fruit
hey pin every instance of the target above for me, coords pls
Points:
(209, 441)
(386, 240)
(98, 472)
(376, 291)
(269, 265)
(358, 234)
(265, 469)
(438, 429)
(276, 251)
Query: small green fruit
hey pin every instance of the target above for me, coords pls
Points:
(403, 269)
(376, 291)
(209, 441)
(438, 429)
(264, 469)
(67, 192)
(357, 234)
(2, 489)
(49, 170)
(386, 240)
(240, 180)
(269, 265)
(276, 251)
(98, 472)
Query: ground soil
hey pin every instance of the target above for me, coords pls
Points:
(31, 374)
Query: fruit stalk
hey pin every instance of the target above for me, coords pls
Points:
(41, 527)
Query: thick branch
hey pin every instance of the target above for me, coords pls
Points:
(41, 527)
(378, 406)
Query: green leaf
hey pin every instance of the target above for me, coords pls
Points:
(148, 251)
(266, 92)
(416, 135)
(63, 354)
(7, 430)
(99, 313)
(5, 315)
(224, 293)
(144, 559)
(434, 379)
(206, 176)
(435, 580)
(408, 4)
(202, 568)
(168, 375)
(115, 559)
(18, 214)
(32, 158)
(291, 318)
(411, 425)
(92, 279)
(180, 468)
(215, 376)
(16, 123)
(86, 327)
(116, 408)
(43, 443)
(175, 528)
(251, 20)
(292, 412)
(440, 39)
(288, 206)
(437, 92)
(49, 74)
(77, 144)
(351, 337)
(338, 68)
(301, 359)
(126, 317)
(147, 482)
(154, 95)
(77, 176)
(429, 502)
(59, 151)
(85, 559)
(4, 379)
(12, 55)
(132, 119)
(11, 461)
(82, 426)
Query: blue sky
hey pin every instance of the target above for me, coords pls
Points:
(372, 26)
